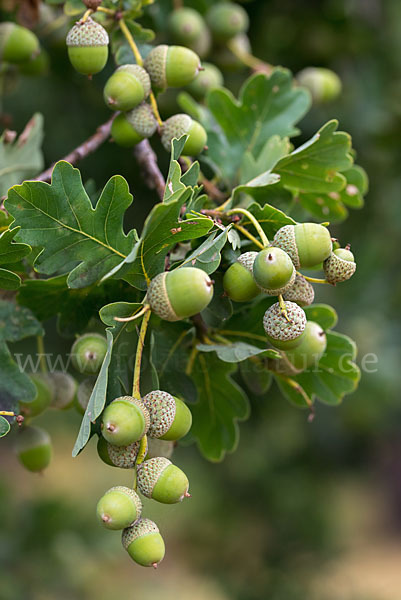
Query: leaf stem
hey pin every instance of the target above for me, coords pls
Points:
(7, 413)
(87, 14)
(155, 108)
(298, 388)
(246, 233)
(107, 11)
(283, 307)
(191, 360)
(131, 42)
(249, 60)
(254, 222)
(312, 279)
(41, 353)
(136, 392)
(134, 316)
(253, 336)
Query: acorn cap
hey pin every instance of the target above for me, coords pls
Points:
(143, 120)
(247, 259)
(337, 269)
(158, 298)
(155, 65)
(123, 457)
(301, 292)
(139, 529)
(87, 33)
(162, 408)
(175, 127)
(139, 73)
(278, 328)
(285, 239)
(149, 472)
(281, 290)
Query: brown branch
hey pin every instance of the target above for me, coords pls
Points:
(87, 147)
(147, 160)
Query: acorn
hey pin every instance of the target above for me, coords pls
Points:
(118, 508)
(170, 417)
(301, 292)
(127, 87)
(160, 480)
(43, 398)
(144, 543)
(17, 44)
(65, 389)
(308, 244)
(130, 128)
(124, 421)
(84, 392)
(282, 333)
(88, 352)
(225, 58)
(88, 46)
(238, 281)
(37, 66)
(181, 293)
(227, 20)
(311, 348)
(182, 124)
(323, 84)
(339, 266)
(185, 26)
(33, 448)
(209, 79)
(273, 271)
(172, 66)
(158, 447)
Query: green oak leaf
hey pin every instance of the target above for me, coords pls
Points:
(255, 376)
(10, 252)
(323, 314)
(237, 351)
(274, 149)
(208, 255)
(269, 217)
(17, 322)
(23, 157)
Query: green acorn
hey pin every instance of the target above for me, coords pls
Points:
(311, 349)
(43, 398)
(33, 448)
(84, 391)
(323, 84)
(203, 44)
(119, 508)
(238, 281)
(170, 417)
(127, 87)
(339, 266)
(227, 20)
(226, 59)
(65, 389)
(301, 292)
(144, 543)
(160, 480)
(282, 333)
(186, 26)
(181, 293)
(158, 447)
(88, 47)
(308, 244)
(273, 271)
(182, 124)
(124, 421)
(172, 66)
(209, 79)
(88, 352)
(130, 128)
(17, 44)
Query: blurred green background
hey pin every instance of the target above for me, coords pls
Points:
(300, 510)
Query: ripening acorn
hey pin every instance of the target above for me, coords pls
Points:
(17, 44)
(123, 457)
(170, 417)
(238, 281)
(43, 397)
(88, 47)
(301, 292)
(124, 421)
(160, 480)
(185, 26)
(273, 271)
(209, 79)
(227, 58)
(227, 20)
(339, 266)
(171, 66)
(181, 293)
(88, 352)
(144, 543)
(311, 348)
(84, 392)
(33, 448)
(282, 333)
(182, 124)
(118, 508)
(130, 128)
(323, 84)
(127, 87)
(308, 244)
(65, 389)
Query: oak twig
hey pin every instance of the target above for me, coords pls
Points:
(147, 160)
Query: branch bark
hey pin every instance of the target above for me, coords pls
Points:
(147, 161)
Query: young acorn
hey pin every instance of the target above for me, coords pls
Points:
(88, 47)
(170, 417)
(182, 124)
(273, 271)
(311, 348)
(123, 457)
(171, 66)
(308, 244)
(160, 480)
(282, 333)
(144, 543)
(238, 281)
(181, 293)
(65, 389)
(339, 266)
(118, 508)
(127, 87)
(33, 448)
(225, 58)
(301, 292)
(323, 84)
(17, 44)
(185, 26)
(227, 20)
(130, 128)
(125, 421)
(209, 79)
(43, 398)
(88, 352)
